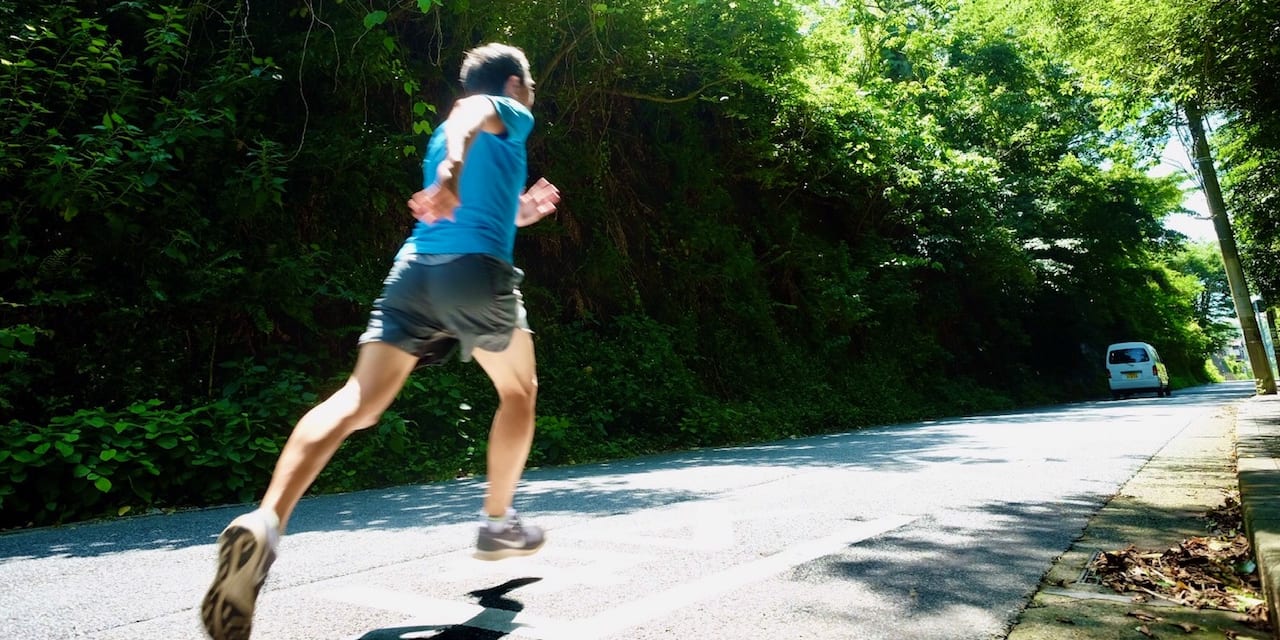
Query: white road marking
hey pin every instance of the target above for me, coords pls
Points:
(688, 527)
(637, 612)
(594, 568)
(706, 527)
(445, 613)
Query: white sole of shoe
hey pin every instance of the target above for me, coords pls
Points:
(501, 554)
(228, 618)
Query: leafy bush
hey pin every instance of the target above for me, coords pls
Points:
(624, 379)
(98, 461)
(95, 462)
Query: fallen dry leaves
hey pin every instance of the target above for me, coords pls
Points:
(1216, 571)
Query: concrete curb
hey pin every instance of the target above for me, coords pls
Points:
(1258, 467)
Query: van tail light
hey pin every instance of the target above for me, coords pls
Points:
(1155, 370)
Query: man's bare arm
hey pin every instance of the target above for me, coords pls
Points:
(468, 117)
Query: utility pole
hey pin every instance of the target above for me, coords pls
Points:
(1262, 378)
(1270, 316)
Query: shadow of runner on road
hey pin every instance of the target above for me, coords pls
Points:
(499, 611)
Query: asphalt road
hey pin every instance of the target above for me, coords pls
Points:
(934, 530)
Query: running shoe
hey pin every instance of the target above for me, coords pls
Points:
(515, 539)
(246, 549)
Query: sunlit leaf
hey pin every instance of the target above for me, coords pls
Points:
(374, 18)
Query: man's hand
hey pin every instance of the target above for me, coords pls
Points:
(433, 204)
(538, 202)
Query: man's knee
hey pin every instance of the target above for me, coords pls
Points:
(361, 416)
(348, 410)
(524, 395)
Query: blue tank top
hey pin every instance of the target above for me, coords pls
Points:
(493, 177)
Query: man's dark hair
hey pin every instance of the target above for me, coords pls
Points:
(485, 69)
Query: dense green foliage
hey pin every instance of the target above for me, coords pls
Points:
(1234, 57)
(779, 218)
(1223, 57)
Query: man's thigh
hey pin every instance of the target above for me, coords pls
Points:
(514, 367)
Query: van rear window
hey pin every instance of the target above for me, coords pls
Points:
(1128, 356)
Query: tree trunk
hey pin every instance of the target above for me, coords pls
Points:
(1261, 365)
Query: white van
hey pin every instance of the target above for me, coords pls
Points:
(1135, 367)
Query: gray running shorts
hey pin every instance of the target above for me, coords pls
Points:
(431, 308)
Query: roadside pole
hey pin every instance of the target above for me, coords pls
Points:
(1258, 360)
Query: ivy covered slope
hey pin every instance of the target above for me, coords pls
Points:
(779, 218)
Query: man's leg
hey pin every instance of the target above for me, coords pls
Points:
(246, 547)
(514, 375)
(380, 372)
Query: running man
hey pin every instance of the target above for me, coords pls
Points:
(452, 288)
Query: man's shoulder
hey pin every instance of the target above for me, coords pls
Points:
(508, 103)
(515, 116)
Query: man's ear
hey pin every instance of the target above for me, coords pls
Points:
(513, 85)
